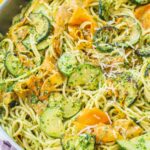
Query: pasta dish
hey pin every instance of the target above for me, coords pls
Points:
(75, 75)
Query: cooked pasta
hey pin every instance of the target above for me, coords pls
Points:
(75, 74)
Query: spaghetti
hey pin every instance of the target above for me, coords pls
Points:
(76, 69)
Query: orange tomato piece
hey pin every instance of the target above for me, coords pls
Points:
(105, 133)
(21, 91)
(143, 15)
(92, 117)
(52, 82)
(79, 16)
(48, 64)
(62, 18)
(80, 126)
(128, 127)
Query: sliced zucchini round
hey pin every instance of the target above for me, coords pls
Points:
(129, 29)
(67, 63)
(141, 2)
(51, 122)
(127, 93)
(103, 39)
(141, 142)
(43, 45)
(125, 32)
(13, 65)
(86, 75)
(68, 107)
(143, 52)
(126, 87)
(41, 24)
(40, 46)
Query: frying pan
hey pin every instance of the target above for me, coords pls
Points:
(8, 9)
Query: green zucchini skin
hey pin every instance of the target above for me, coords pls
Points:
(141, 2)
(81, 142)
(103, 38)
(68, 107)
(40, 46)
(67, 63)
(137, 143)
(135, 32)
(51, 122)
(42, 26)
(106, 39)
(147, 71)
(13, 65)
(127, 88)
(86, 75)
(143, 52)
(43, 45)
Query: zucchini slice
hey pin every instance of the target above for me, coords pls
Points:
(125, 32)
(138, 143)
(68, 107)
(141, 2)
(13, 65)
(43, 45)
(81, 142)
(143, 52)
(51, 122)
(103, 39)
(127, 93)
(86, 75)
(126, 88)
(42, 26)
(67, 63)
(129, 29)
(40, 46)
